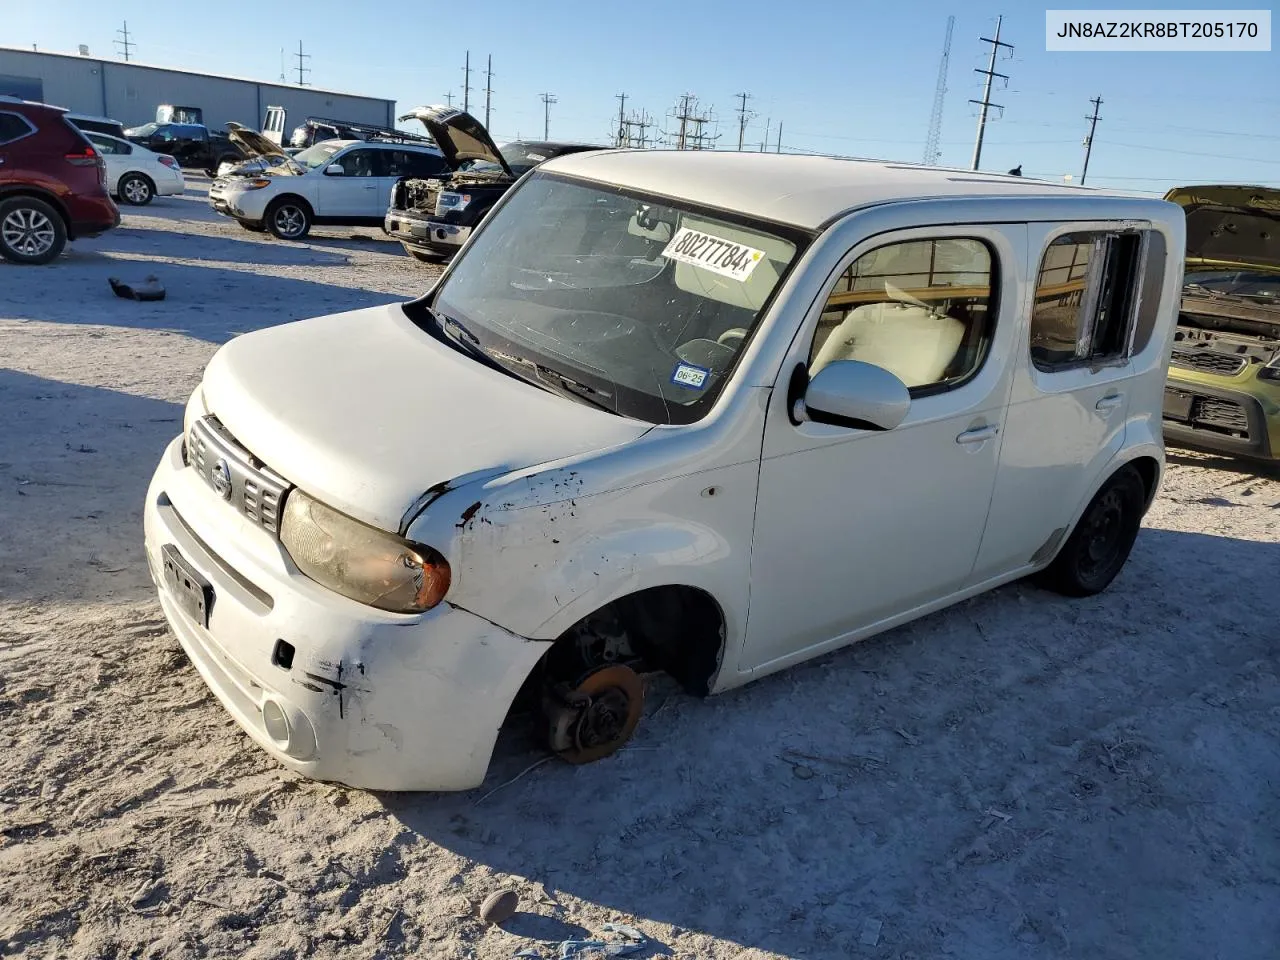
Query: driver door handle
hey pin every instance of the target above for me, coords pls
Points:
(1109, 402)
(978, 434)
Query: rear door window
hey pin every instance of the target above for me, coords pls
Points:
(1087, 298)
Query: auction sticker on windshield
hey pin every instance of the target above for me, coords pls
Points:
(713, 253)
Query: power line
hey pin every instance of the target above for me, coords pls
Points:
(932, 148)
(547, 101)
(985, 102)
(303, 70)
(743, 116)
(125, 44)
(1088, 141)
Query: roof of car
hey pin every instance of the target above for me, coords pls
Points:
(390, 144)
(805, 191)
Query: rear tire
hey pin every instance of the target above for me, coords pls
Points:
(135, 189)
(1097, 549)
(288, 219)
(31, 231)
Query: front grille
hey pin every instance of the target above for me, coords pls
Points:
(1207, 361)
(1225, 416)
(234, 474)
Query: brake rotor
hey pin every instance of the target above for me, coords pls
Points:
(599, 715)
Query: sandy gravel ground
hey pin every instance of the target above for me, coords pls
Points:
(1021, 776)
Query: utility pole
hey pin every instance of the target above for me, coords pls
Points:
(985, 102)
(779, 150)
(933, 142)
(626, 136)
(767, 122)
(547, 101)
(743, 116)
(302, 69)
(1088, 141)
(124, 44)
(448, 98)
(283, 77)
(488, 89)
(466, 84)
(690, 135)
(622, 123)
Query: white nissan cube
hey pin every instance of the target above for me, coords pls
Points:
(702, 413)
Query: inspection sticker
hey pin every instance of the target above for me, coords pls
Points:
(724, 257)
(687, 375)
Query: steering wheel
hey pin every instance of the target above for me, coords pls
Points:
(732, 337)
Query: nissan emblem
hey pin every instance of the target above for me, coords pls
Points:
(220, 477)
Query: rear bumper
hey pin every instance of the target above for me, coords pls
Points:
(370, 699)
(90, 217)
(424, 232)
(1220, 419)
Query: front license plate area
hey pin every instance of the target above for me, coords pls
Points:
(1177, 405)
(193, 592)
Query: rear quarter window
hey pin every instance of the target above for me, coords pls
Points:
(14, 127)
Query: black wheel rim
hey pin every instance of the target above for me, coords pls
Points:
(1104, 534)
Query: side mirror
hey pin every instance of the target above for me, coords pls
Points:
(850, 393)
(334, 170)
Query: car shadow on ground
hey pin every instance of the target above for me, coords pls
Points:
(74, 466)
(1017, 796)
(207, 302)
(1192, 457)
(246, 247)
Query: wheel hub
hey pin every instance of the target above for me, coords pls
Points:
(598, 716)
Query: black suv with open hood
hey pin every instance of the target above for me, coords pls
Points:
(433, 218)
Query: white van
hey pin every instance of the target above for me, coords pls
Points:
(704, 413)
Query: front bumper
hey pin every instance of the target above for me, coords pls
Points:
(424, 232)
(1232, 420)
(370, 699)
(241, 204)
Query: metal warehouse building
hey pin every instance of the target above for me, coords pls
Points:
(130, 92)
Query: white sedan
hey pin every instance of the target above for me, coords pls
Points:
(136, 174)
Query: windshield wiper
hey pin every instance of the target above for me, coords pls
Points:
(567, 386)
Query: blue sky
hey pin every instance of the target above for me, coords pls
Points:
(842, 78)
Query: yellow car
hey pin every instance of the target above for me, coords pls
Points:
(1223, 392)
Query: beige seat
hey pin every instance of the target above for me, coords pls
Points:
(915, 344)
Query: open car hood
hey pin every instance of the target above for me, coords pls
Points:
(459, 135)
(1231, 224)
(252, 143)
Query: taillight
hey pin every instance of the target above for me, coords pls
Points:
(169, 162)
(87, 157)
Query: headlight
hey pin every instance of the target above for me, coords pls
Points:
(257, 184)
(359, 561)
(1271, 370)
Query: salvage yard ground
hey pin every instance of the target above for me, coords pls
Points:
(1022, 776)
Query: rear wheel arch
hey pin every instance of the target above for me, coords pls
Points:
(1149, 470)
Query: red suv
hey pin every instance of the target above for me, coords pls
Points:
(52, 183)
